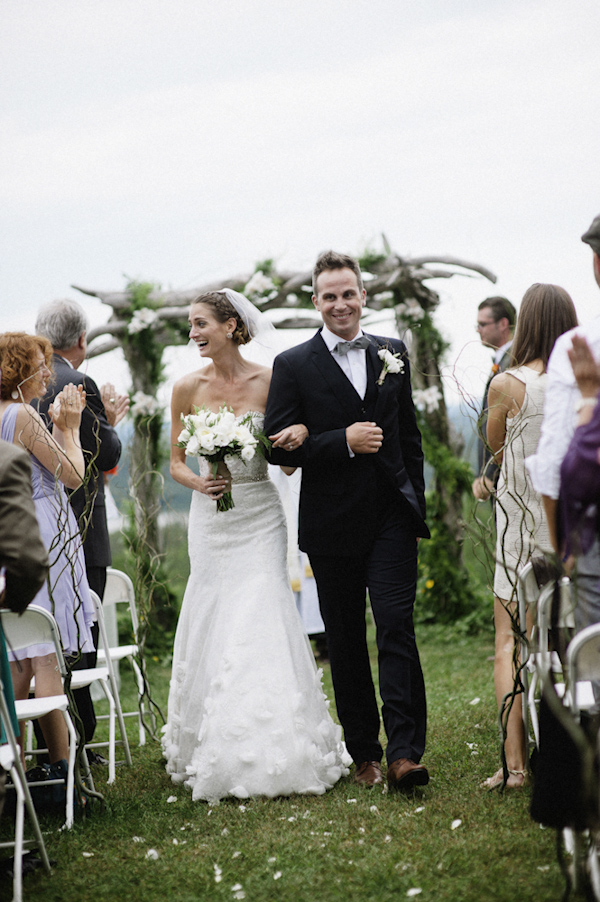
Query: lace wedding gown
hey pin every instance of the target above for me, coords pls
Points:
(247, 715)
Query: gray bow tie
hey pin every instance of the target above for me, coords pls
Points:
(358, 344)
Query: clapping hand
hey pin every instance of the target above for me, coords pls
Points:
(115, 405)
(585, 368)
(65, 412)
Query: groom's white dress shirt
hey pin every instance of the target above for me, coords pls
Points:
(353, 364)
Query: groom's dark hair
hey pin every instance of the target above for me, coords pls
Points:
(333, 260)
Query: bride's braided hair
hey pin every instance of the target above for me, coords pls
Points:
(224, 310)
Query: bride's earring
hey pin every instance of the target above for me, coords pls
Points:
(230, 335)
(14, 395)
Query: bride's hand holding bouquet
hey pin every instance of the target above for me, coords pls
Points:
(214, 436)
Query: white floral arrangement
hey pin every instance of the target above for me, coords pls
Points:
(391, 364)
(427, 399)
(142, 319)
(143, 405)
(260, 287)
(214, 435)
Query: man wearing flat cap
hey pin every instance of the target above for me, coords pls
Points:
(562, 404)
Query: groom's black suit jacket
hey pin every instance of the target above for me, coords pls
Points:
(341, 496)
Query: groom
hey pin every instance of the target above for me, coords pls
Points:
(362, 508)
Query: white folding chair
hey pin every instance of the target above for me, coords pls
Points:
(119, 590)
(105, 677)
(542, 661)
(10, 759)
(35, 626)
(583, 668)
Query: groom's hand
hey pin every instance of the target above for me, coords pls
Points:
(364, 438)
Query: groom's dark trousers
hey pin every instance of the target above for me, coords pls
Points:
(359, 521)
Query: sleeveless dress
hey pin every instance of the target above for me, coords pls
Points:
(521, 524)
(70, 602)
(246, 715)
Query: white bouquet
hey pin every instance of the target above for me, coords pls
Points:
(214, 435)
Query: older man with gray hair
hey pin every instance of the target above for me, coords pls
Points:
(64, 324)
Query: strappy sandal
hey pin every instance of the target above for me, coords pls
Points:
(498, 780)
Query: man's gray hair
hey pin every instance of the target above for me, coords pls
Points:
(62, 323)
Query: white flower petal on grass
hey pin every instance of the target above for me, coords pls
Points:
(152, 854)
(455, 824)
(475, 701)
(236, 887)
(272, 860)
(218, 873)
(387, 838)
(414, 891)
(276, 875)
(240, 894)
(236, 854)
(374, 809)
(88, 854)
(351, 801)
(137, 839)
(242, 807)
(291, 819)
(541, 867)
(175, 842)
(171, 799)
(419, 809)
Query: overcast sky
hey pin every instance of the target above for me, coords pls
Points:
(182, 141)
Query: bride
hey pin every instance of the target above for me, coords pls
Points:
(246, 714)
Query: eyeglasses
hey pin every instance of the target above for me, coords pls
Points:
(480, 326)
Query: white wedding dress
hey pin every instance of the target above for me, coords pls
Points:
(247, 715)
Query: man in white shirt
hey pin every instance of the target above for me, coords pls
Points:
(496, 318)
(558, 426)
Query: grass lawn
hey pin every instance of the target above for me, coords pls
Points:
(352, 843)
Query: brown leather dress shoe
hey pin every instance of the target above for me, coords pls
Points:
(404, 775)
(368, 773)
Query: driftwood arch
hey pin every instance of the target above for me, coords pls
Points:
(392, 282)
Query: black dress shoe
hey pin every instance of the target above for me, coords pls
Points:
(95, 759)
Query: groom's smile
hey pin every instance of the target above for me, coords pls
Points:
(340, 300)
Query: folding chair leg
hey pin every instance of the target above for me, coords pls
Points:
(70, 769)
(140, 688)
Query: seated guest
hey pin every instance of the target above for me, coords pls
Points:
(23, 557)
(56, 458)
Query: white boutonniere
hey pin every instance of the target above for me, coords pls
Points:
(391, 364)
